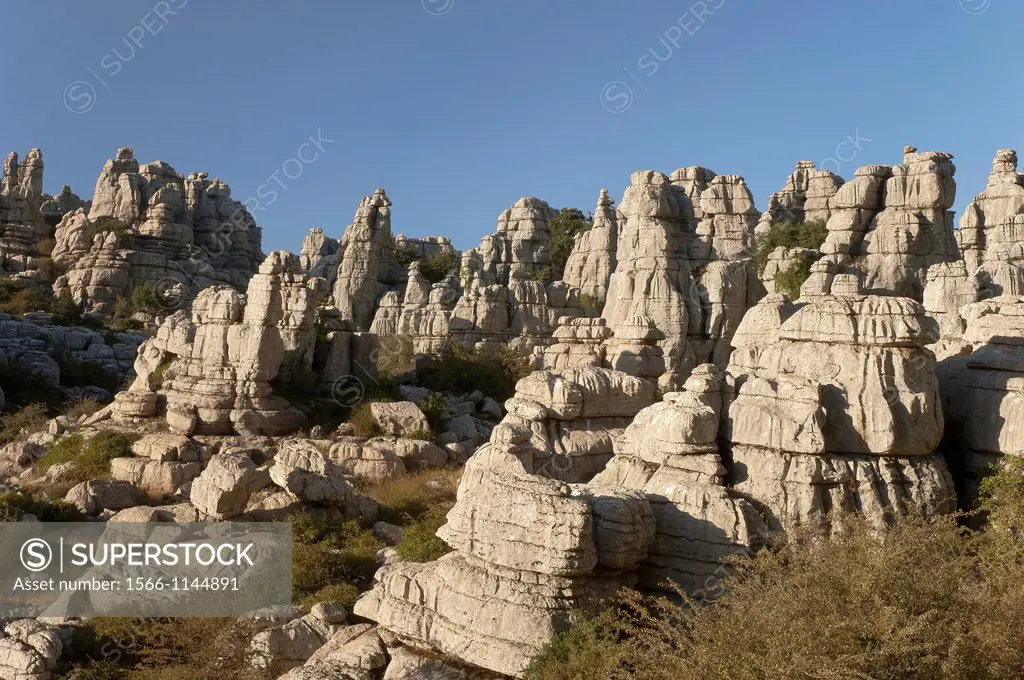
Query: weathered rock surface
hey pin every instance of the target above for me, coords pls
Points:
(593, 257)
(149, 224)
(835, 406)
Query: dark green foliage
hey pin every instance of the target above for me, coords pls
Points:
(459, 370)
(16, 504)
(77, 373)
(790, 280)
(145, 299)
(106, 225)
(437, 265)
(808, 235)
(433, 408)
(564, 228)
(331, 560)
(19, 298)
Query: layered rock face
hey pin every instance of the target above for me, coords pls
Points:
(835, 406)
(891, 224)
(806, 197)
(991, 231)
(521, 243)
(27, 215)
(684, 266)
(148, 223)
(514, 579)
(367, 265)
(983, 389)
(218, 362)
(670, 453)
(593, 257)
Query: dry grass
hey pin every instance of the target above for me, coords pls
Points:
(407, 498)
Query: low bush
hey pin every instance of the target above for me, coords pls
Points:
(362, 422)
(433, 408)
(791, 279)
(926, 599)
(808, 235)
(77, 373)
(331, 560)
(436, 266)
(23, 422)
(456, 369)
(144, 299)
(106, 225)
(16, 504)
(89, 459)
(18, 298)
(419, 542)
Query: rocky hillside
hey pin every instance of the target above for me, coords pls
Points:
(474, 455)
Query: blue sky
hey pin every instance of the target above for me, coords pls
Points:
(460, 107)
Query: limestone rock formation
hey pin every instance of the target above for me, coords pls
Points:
(835, 406)
(367, 263)
(593, 257)
(991, 229)
(27, 216)
(148, 223)
(221, 358)
(514, 578)
(684, 265)
(983, 390)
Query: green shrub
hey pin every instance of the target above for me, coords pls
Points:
(564, 228)
(83, 407)
(591, 304)
(123, 309)
(66, 312)
(456, 369)
(105, 225)
(437, 265)
(433, 408)
(808, 235)
(23, 422)
(791, 279)
(77, 373)
(89, 459)
(144, 299)
(419, 542)
(345, 593)
(18, 298)
(16, 504)
(340, 556)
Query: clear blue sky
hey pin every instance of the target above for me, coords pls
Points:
(460, 110)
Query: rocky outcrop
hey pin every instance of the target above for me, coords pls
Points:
(27, 217)
(835, 406)
(670, 454)
(217, 362)
(592, 260)
(150, 224)
(514, 579)
(806, 197)
(992, 230)
(684, 265)
(983, 389)
(367, 264)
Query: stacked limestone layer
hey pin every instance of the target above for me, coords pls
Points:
(806, 197)
(218, 361)
(422, 314)
(835, 406)
(684, 265)
(992, 229)
(516, 578)
(563, 424)
(521, 243)
(149, 224)
(983, 390)
(592, 260)
(27, 215)
(891, 224)
(670, 453)
(319, 256)
(367, 266)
